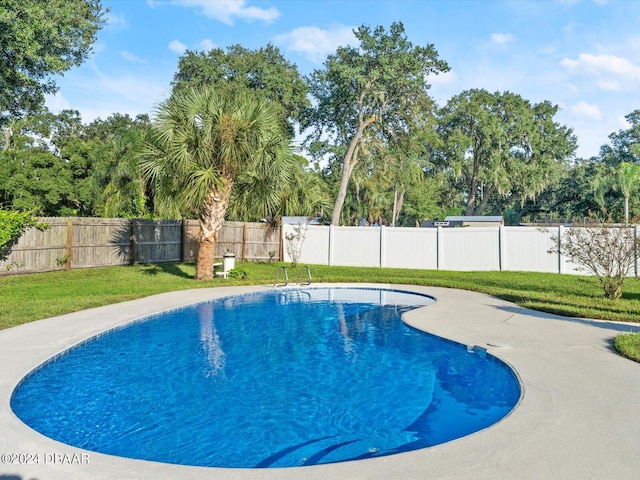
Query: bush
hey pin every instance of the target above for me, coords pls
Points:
(238, 273)
(12, 225)
(607, 251)
(295, 240)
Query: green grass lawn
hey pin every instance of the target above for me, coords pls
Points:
(31, 297)
(35, 296)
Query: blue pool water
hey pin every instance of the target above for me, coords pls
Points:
(274, 379)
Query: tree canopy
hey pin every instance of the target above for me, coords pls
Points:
(376, 86)
(264, 71)
(389, 154)
(500, 145)
(39, 39)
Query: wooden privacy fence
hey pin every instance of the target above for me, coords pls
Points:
(98, 242)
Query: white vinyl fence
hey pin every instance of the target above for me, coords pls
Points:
(464, 249)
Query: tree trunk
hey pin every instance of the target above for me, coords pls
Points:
(348, 163)
(206, 255)
(7, 139)
(486, 196)
(472, 186)
(211, 219)
(626, 209)
(397, 206)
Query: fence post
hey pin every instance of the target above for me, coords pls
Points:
(69, 246)
(132, 238)
(183, 236)
(244, 242)
(635, 250)
(438, 248)
(560, 262)
(330, 246)
(501, 252)
(382, 261)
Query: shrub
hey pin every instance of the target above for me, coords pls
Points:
(12, 225)
(607, 251)
(295, 240)
(238, 273)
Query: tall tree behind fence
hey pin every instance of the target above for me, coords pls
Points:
(97, 242)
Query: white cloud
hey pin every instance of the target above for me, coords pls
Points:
(623, 123)
(177, 46)
(101, 99)
(116, 22)
(634, 43)
(572, 88)
(315, 43)
(621, 69)
(609, 85)
(131, 57)
(502, 38)
(586, 111)
(57, 102)
(446, 78)
(227, 11)
(98, 94)
(571, 27)
(206, 45)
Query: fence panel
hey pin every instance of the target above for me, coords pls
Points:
(100, 242)
(157, 240)
(38, 250)
(191, 239)
(526, 250)
(229, 238)
(356, 246)
(261, 242)
(315, 248)
(411, 248)
(470, 248)
(568, 266)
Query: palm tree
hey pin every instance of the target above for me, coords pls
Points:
(628, 180)
(296, 190)
(200, 143)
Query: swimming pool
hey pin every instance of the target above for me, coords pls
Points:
(281, 378)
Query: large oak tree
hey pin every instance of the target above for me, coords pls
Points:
(39, 39)
(500, 145)
(237, 69)
(372, 89)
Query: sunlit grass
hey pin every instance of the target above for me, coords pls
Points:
(25, 298)
(31, 297)
(628, 345)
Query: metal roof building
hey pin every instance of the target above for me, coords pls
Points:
(477, 220)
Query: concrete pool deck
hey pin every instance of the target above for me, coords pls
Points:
(578, 416)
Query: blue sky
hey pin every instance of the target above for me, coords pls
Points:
(581, 55)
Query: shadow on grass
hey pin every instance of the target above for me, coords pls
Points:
(630, 295)
(166, 268)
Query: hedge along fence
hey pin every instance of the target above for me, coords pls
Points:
(98, 242)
